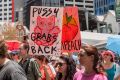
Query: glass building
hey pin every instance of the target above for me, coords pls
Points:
(102, 6)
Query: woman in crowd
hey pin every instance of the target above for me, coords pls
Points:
(111, 68)
(45, 68)
(89, 58)
(66, 68)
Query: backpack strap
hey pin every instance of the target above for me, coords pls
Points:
(26, 69)
(115, 67)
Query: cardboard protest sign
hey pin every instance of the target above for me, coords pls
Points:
(45, 30)
(71, 40)
(9, 31)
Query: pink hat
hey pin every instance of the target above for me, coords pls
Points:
(108, 52)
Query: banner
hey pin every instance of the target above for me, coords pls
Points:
(71, 40)
(117, 9)
(45, 30)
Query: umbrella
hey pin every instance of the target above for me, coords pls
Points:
(113, 44)
(13, 44)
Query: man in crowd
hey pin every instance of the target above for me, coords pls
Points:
(9, 70)
(29, 64)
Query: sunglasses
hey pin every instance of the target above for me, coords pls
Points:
(14, 54)
(107, 54)
(61, 64)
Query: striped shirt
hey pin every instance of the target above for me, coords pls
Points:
(31, 67)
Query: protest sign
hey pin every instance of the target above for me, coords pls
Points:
(45, 30)
(13, 44)
(71, 40)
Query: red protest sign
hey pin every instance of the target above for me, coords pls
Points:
(71, 40)
(13, 44)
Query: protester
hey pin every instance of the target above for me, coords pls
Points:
(112, 69)
(14, 55)
(45, 68)
(66, 68)
(88, 57)
(29, 64)
(9, 70)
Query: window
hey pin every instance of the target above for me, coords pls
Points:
(89, 6)
(10, 13)
(79, 0)
(5, 0)
(0, 9)
(68, 0)
(5, 4)
(88, 1)
(5, 13)
(10, 17)
(0, 18)
(10, 8)
(5, 9)
(79, 5)
(69, 4)
(5, 18)
(0, 5)
(10, 4)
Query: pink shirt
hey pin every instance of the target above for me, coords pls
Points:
(93, 76)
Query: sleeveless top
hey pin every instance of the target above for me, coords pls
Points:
(111, 72)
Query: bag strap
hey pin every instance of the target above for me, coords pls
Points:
(26, 69)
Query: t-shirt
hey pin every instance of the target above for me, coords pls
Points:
(93, 76)
(111, 72)
(12, 71)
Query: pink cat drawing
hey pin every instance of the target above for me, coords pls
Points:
(46, 32)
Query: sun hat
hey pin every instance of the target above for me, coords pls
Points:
(108, 52)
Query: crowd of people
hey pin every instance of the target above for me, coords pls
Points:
(87, 64)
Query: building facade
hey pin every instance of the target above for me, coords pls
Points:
(6, 10)
(18, 10)
(103, 6)
(86, 9)
(82, 4)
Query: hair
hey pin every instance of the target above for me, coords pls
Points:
(25, 46)
(40, 57)
(3, 49)
(71, 68)
(92, 50)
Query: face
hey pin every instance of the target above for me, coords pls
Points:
(84, 58)
(107, 57)
(14, 56)
(62, 66)
(22, 51)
